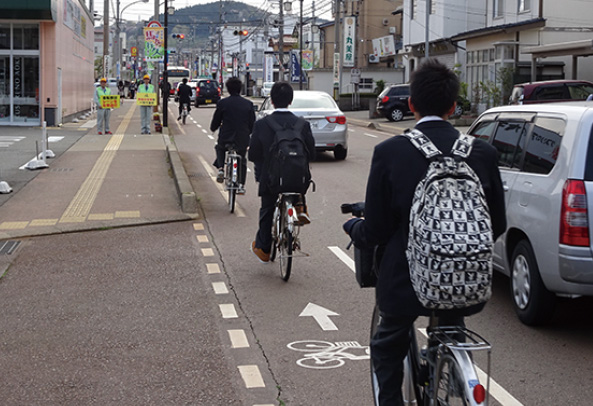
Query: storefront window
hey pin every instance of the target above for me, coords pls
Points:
(4, 88)
(26, 88)
(26, 37)
(4, 36)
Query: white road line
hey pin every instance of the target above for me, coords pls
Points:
(220, 288)
(351, 130)
(343, 257)
(202, 238)
(371, 135)
(204, 131)
(198, 226)
(210, 170)
(207, 252)
(228, 311)
(251, 376)
(210, 136)
(238, 339)
(89, 124)
(199, 125)
(212, 268)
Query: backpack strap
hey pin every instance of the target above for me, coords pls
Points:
(276, 126)
(463, 145)
(422, 143)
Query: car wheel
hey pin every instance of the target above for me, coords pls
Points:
(340, 153)
(534, 304)
(396, 115)
(458, 111)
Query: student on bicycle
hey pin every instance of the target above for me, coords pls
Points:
(234, 116)
(259, 147)
(396, 169)
(184, 94)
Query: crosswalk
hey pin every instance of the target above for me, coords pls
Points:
(7, 140)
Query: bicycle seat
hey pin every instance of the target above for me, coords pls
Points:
(230, 147)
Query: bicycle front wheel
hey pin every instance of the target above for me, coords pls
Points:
(285, 248)
(448, 386)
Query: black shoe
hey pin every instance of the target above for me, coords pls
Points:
(220, 177)
(178, 118)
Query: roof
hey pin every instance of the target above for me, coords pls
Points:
(504, 28)
(574, 48)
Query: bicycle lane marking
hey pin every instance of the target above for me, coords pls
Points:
(496, 391)
(238, 210)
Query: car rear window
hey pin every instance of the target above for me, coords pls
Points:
(207, 85)
(579, 91)
(551, 92)
(589, 162)
(313, 102)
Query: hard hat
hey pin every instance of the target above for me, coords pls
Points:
(103, 80)
(146, 77)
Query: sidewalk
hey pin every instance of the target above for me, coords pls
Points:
(99, 182)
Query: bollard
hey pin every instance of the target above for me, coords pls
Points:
(47, 153)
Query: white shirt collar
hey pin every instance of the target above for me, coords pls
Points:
(429, 118)
(282, 109)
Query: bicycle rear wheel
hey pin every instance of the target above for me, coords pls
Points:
(448, 385)
(285, 248)
(232, 191)
(183, 117)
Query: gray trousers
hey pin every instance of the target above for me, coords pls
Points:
(145, 112)
(103, 119)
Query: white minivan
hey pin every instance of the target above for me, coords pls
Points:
(545, 155)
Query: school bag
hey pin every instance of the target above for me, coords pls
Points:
(450, 239)
(288, 170)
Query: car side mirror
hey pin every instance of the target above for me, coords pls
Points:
(255, 107)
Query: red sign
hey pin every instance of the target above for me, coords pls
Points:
(134, 51)
(154, 24)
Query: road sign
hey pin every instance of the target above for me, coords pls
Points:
(355, 75)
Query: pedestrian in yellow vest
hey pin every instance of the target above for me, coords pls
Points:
(102, 114)
(145, 111)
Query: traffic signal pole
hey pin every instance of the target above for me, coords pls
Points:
(165, 73)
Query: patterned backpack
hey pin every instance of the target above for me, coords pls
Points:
(450, 238)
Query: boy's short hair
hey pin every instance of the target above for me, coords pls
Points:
(281, 94)
(184, 80)
(233, 85)
(433, 88)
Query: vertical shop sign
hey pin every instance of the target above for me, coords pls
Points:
(336, 69)
(349, 41)
(307, 60)
(295, 68)
(154, 42)
(268, 68)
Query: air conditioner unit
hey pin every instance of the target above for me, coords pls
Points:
(373, 58)
(392, 30)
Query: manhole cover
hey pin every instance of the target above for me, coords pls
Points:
(8, 247)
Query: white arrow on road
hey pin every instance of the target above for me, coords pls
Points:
(321, 316)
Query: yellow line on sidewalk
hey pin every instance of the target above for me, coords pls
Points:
(81, 205)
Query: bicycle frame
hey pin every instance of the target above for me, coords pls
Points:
(232, 162)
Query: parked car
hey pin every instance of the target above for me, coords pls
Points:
(328, 122)
(266, 88)
(392, 102)
(545, 155)
(551, 91)
(207, 92)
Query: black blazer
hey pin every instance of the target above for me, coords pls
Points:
(234, 116)
(263, 138)
(396, 169)
(184, 93)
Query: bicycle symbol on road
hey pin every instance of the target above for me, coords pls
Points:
(326, 355)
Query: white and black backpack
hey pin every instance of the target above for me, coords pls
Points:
(450, 239)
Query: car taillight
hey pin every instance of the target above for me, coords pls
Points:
(336, 119)
(385, 99)
(219, 91)
(574, 223)
(197, 91)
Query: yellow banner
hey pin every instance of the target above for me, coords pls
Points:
(110, 102)
(146, 99)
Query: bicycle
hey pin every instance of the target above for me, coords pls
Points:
(327, 355)
(184, 113)
(232, 165)
(442, 373)
(285, 232)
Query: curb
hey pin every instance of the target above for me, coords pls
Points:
(187, 196)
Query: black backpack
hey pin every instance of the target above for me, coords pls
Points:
(288, 170)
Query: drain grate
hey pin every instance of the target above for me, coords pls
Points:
(8, 247)
(61, 169)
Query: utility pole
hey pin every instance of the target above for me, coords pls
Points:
(165, 73)
(301, 48)
(281, 42)
(427, 31)
(155, 72)
(106, 36)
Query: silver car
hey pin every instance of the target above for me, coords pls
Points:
(545, 156)
(328, 122)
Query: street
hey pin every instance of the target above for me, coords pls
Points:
(181, 312)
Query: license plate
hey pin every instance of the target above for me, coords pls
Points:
(208, 101)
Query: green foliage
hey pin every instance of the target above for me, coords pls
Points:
(380, 86)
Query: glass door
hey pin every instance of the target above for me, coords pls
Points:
(25, 81)
(4, 88)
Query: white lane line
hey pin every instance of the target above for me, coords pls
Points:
(238, 339)
(210, 170)
(371, 135)
(207, 252)
(212, 268)
(204, 131)
(199, 125)
(228, 311)
(210, 136)
(251, 376)
(220, 288)
(338, 252)
(202, 238)
(198, 226)
(351, 130)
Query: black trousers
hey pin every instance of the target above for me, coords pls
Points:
(219, 162)
(263, 238)
(389, 347)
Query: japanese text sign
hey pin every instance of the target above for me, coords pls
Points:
(110, 102)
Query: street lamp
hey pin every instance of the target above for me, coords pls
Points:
(118, 17)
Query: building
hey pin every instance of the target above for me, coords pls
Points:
(46, 61)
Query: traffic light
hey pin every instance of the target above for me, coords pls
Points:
(240, 32)
(178, 36)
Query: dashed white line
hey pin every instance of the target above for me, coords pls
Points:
(371, 135)
(338, 252)
(238, 211)
(228, 311)
(207, 252)
(251, 376)
(220, 288)
(238, 339)
(198, 226)
(210, 136)
(202, 238)
(212, 268)
(204, 131)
